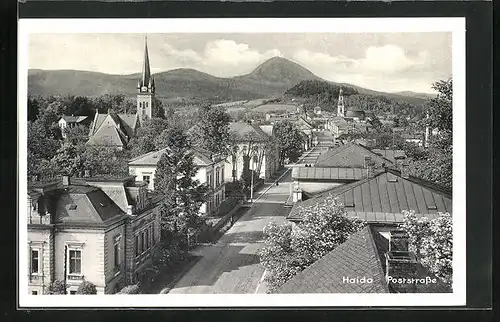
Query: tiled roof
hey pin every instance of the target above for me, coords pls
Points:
(356, 257)
(383, 197)
(350, 155)
(245, 131)
(390, 154)
(361, 255)
(327, 174)
(201, 157)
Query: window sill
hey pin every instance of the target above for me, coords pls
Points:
(74, 277)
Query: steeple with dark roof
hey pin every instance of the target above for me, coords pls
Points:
(146, 88)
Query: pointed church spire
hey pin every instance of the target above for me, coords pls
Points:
(146, 70)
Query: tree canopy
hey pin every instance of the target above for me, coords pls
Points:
(290, 141)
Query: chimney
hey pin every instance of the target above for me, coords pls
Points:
(65, 180)
(369, 166)
(296, 193)
(87, 173)
(405, 170)
(400, 262)
(130, 210)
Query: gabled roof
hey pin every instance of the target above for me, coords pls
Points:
(201, 158)
(327, 174)
(303, 123)
(112, 129)
(361, 255)
(350, 155)
(383, 197)
(356, 257)
(243, 131)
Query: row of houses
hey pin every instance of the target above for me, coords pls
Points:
(102, 229)
(375, 186)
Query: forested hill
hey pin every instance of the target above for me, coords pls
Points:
(325, 94)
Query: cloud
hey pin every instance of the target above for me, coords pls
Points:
(385, 59)
(228, 52)
(380, 68)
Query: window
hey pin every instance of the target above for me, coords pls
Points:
(137, 250)
(75, 261)
(143, 248)
(147, 104)
(146, 177)
(72, 292)
(148, 244)
(153, 234)
(116, 251)
(34, 292)
(222, 176)
(35, 261)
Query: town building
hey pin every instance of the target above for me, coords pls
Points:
(255, 143)
(380, 198)
(116, 130)
(69, 122)
(98, 229)
(210, 172)
(367, 262)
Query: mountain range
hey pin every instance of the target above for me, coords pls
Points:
(270, 79)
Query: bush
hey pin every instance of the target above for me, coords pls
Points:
(130, 289)
(56, 287)
(226, 206)
(86, 287)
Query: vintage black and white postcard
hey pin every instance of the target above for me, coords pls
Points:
(242, 162)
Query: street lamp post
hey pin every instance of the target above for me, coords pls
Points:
(251, 186)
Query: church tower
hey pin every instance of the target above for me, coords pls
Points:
(146, 88)
(340, 104)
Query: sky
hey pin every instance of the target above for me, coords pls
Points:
(389, 62)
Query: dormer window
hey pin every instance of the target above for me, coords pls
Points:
(72, 207)
(432, 207)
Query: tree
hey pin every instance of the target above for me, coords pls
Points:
(103, 160)
(40, 143)
(76, 135)
(86, 287)
(289, 249)
(289, 140)
(119, 103)
(68, 160)
(438, 167)
(158, 109)
(182, 194)
(212, 130)
(144, 140)
(432, 242)
(33, 108)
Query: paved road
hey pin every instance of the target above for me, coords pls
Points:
(232, 264)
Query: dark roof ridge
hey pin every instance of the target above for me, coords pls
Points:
(428, 184)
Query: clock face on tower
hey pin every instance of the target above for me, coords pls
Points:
(144, 89)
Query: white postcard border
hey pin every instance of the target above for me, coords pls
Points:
(253, 25)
